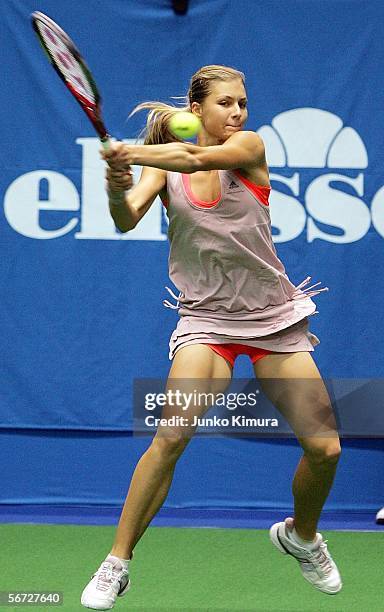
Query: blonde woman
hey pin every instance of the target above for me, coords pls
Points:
(235, 298)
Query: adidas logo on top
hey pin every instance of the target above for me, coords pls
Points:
(234, 187)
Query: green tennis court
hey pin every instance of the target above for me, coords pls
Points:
(188, 569)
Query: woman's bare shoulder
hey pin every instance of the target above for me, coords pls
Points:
(259, 173)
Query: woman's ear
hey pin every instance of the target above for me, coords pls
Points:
(196, 109)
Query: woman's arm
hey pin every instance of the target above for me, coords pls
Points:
(241, 150)
(128, 207)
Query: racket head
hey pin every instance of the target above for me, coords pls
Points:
(71, 68)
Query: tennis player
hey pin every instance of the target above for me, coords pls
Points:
(234, 298)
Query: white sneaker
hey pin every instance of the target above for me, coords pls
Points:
(380, 517)
(317, 565)
(109, 582)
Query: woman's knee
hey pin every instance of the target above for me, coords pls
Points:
(169, 446)
(324, 452)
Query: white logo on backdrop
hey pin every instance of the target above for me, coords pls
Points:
(298, 140)
(312, 138)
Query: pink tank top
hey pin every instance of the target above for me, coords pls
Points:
(223, 261)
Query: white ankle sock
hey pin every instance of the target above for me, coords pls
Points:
(305, 543)
(124, 562)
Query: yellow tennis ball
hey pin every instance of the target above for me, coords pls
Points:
(184, 124)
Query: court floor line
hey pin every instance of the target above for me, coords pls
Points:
(235, 518)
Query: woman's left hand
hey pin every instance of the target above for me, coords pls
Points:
(118, 156)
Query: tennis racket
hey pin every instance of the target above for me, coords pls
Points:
(72, 69)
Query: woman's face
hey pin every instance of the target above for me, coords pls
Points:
(224, 111)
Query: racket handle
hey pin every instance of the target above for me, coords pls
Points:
(106, 143)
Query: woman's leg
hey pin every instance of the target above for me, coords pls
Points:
(194, 365)
(303, 400)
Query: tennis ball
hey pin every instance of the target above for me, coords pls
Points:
(184, 124)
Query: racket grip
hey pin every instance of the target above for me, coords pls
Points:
(106, 143)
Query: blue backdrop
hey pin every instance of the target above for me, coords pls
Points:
(81, 306)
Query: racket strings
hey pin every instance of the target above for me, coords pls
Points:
(66, 62)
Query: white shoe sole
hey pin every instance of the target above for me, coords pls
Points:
(86, 604)
(273, 534)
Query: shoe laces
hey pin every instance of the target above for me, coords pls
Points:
(321, 558)
(106, 575)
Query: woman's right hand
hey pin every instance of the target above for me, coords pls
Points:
(118, 180)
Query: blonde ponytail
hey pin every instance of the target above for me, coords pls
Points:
(156, 130)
